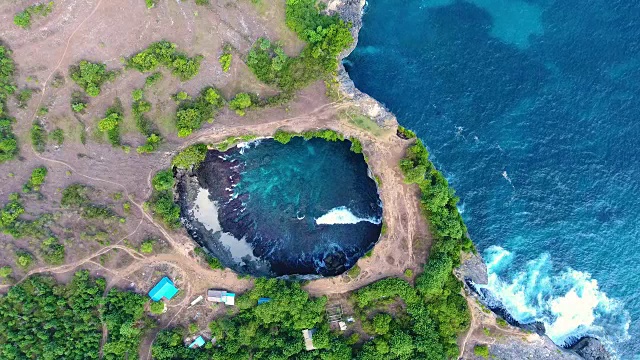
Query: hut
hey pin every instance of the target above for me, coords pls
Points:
(221, 296)
(163, 289)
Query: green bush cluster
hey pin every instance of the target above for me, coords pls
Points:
(213, 262)
(437, 283)
(164, 53)
(150, 3)
(110, 124)
(65, 321)
(481, 351)
(57, 135)
(23, 96)
(226, 58)
(52, 251)
(190, 156)
(8, 142)
(161, 202)
(75, 195)
(23, 18)
(144, 125)
(272, 330)
(192, 114)
(37, 178)
(5, 271)
(79, 102)
(156, 307)
(146, 247)
(326, 36)
(153, 79)
(283, 137)
(231, 141)
(38, 136)
(91, 76)
(240, 103)
(24, 259)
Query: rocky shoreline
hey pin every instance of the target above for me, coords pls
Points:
(473, 271)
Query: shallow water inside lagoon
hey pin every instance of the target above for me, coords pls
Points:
(265, 208)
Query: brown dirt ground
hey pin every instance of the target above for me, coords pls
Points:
(106, 31)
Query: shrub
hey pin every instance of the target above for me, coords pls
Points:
(157, 307)
(151, 144)
(150, 3)
(37, 178)
(8, 142)
(408, 273)
(163, 207)
(23, 259)
(5, 271)
(163, 180)
(240, 103)
(38, 137)
(153, 79)
(356, 145)
(57, 135)
(164, 53)
(225, 58)
(381, 323)
(53, 251)
(282, 136)
(23, 18)
(481, 351)
(23, 97)
(91, 76)
(147, 246)
(78, 106)
(202, 2)
(75, 195)
(354, 271)
(192, 114)
(111, 123)
(189, 157)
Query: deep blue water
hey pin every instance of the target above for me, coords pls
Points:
(531, 108)
(306, 207)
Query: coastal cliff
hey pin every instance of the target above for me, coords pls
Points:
(492, 326)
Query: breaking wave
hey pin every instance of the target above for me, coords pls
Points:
(569, 303)
(342, 215)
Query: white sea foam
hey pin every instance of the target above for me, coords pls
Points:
(569, 303)
(342, 215)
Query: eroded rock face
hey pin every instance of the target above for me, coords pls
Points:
(591, 349)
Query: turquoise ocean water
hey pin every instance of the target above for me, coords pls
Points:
(531, 108)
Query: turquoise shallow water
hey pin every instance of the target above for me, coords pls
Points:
(530, 108)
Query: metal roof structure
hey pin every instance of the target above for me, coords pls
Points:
(163, 289)
(198, 342)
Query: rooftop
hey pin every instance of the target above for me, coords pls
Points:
(163, 289)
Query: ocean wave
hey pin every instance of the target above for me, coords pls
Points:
(569, 303)
(342, 215)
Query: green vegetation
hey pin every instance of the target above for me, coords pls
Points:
(42, 111)
(502, 322)
(225, 58)
(437, 283)
(5, 272)
(272, 330)
(326, 36)
(23, 18)
(147, 246)
(150, 3)
(57, 321)
(156, 307)
(240, 103)
(163, 180)
(405, 133)
(161, 202)
(354, 271)
(213, 262)
(23, 259)
(38, 137)
(91, 76)
(57, 135)
(75, 195)
(192, 114)
(481, 351)
(140, 107)
(284, 137)
(153, 79)
(164, 53)
(190, 156)
(52, 251)
(37, 178)
(202, 2)
(231, 141)
(78, 102)
(8, 142)
(23, 97)
(356, 145)
(111, 123)
(408, 273)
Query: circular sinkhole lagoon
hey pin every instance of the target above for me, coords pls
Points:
(264, 208)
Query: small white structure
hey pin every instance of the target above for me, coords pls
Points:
(343, 325)
(197, 300)
(308, 339)
(221, 296)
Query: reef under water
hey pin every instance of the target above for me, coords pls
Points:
(308, 207)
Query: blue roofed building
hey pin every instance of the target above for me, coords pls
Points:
(163, 289)
(198, 342)
(263, 300)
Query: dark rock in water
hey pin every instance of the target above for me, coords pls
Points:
(304, 208)
(590, 349)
